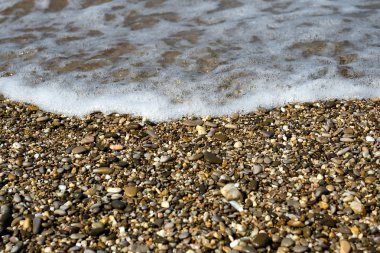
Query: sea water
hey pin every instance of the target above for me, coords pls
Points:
(165, 59)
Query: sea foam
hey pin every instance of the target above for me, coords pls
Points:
(168, 59)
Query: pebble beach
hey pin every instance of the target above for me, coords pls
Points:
(304, 177)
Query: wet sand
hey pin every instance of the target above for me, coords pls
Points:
(303, 177)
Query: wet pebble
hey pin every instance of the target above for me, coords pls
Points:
(261, 240)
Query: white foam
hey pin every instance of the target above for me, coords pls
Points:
(269, 54)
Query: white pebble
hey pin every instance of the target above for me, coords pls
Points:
(238, 144)
(369, 139)
(230, 192)
(201, 130)
(16, 145)
(113, 190)
(236, 205)
(165, 204)
(62, 188)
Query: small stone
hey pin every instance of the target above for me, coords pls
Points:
(114, 189)
(261, 240)
(355, 230)
(77, 236)
(97, 229)
(238, 144)
(130, 191)
(195, 157)
(300, 249)
(60, 212)
(116, 147)
(370, 179)
(37, 221)
(42, 119)
(165, 158)
(17, 145)
(230, 192)
(345, 139)
(369, 139)
(212, 158)
(327, 220)
(323, 205)
(282, 250)
(267, 134)
(165, 204)
(236, 205)
(152, 134)
(287, 242)
(88, 139)
(257, 169)
(118, 204)
(201, 130)
(321, 191)
(183, 235)
(221, 137)
(231, 126)
(79, 150)
(343, 151)
(345, 246)
(357, 206)
(192, 122)
(17, 248)
(103, 170)
(296, 223)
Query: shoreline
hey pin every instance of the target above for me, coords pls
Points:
(304, 177)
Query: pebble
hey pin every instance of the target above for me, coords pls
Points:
(369, 139)
(201, 130)
(130, 191)
(230, 192)
(42, 119)
(97, 229)
(37, 222)
(221, 137)
(183, 235)
(300, 249)
(118, 204)
(343, 151)
(152, 134)
(287, 242)
(77, 236)
(238, 144)
(357, 206)
(267, 134)
(192, 123)
(212, 158)
(79, 150)
(103, 170)
(60, 212)
(347, 139)
(88, 139)
(114, 189)
(195, 157)
(231, 126)
(165, 204)
(257, 169)
(321, 191)
(345, 246)
(261, 240)
(116, 147)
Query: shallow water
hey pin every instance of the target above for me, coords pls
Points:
(166, 58)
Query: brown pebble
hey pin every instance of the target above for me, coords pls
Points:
(130, 191)
(79, 150)
(103, 170)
